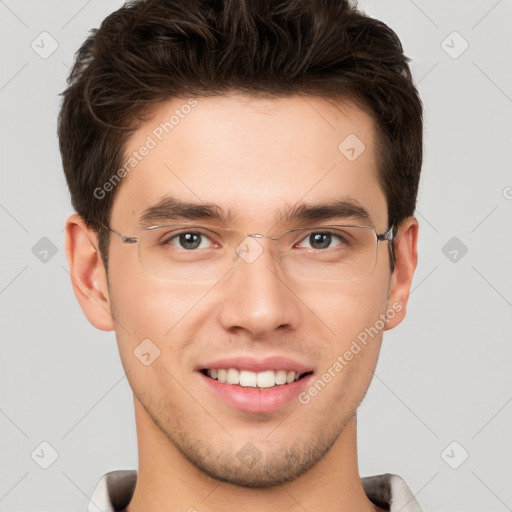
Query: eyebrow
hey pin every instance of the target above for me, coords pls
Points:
(170, 208)
(338, 209)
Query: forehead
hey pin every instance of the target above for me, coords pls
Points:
(255, 158)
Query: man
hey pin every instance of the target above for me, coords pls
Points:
(245, 176)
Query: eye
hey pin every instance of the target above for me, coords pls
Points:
(188, 240)
(323, 240)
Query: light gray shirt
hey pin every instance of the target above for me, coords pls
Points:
(115, 490)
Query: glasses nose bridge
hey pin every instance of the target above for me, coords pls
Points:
(250, 252)
(255, 236)
(259, 235)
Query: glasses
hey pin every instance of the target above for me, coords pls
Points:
(184, 252)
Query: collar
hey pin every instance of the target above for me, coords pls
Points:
(115, 489)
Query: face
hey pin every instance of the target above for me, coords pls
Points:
(257, 159)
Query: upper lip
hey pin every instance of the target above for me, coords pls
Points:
(257, 364)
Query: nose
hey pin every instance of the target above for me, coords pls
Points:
(258, 297)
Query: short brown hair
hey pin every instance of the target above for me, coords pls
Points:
(149, 51)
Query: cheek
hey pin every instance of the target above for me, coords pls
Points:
(154, 336)
(145, 306)
(149, 310)
(342, 311)
(349, 318)
(352, 333)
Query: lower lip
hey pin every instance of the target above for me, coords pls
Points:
(257, 400)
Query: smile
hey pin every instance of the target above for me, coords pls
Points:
(250, 379)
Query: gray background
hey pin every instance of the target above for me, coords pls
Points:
(443, 376)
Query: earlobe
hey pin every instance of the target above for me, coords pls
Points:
(403, 273)
(87, 272)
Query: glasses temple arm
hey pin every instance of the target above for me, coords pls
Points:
(389, 235)
(125, 239)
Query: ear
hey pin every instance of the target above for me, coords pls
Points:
(406, 256)
(88, 276)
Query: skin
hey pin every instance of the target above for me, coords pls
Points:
(252, 156)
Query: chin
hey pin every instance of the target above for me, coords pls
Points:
(274, 468)
(255, 465)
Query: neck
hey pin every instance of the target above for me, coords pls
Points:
(167, 482)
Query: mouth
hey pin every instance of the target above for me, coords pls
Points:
(255, 385)
(249, 379)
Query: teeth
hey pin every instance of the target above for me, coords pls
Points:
(281, 377)
(266, 379)
(246, 378)
(233, 376)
